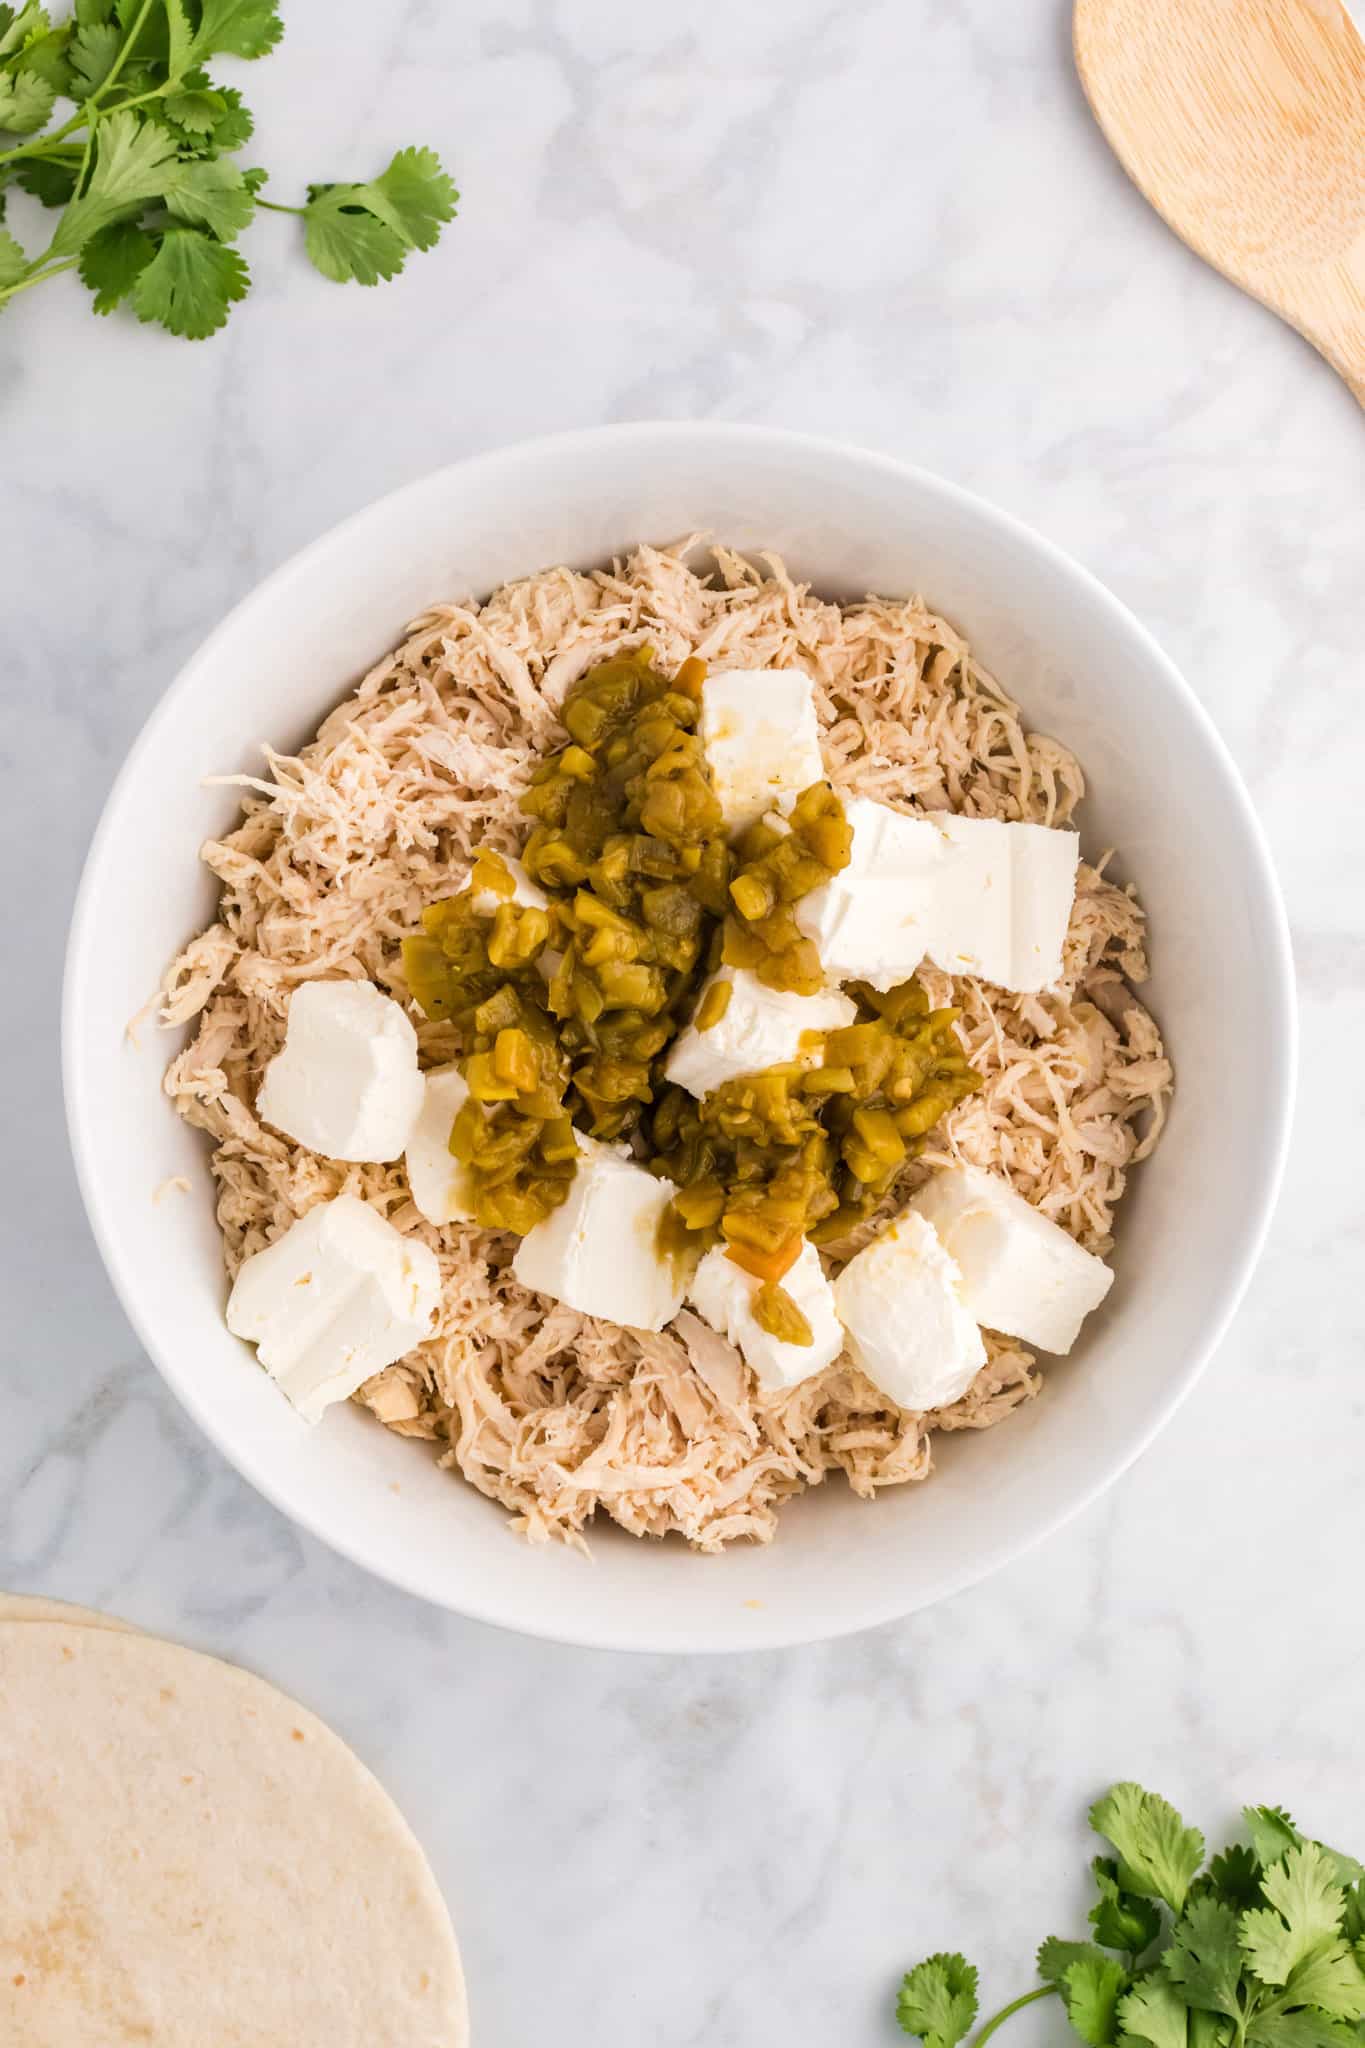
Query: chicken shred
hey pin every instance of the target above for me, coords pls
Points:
(559, 1416)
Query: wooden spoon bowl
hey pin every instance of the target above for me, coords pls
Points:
(1243, 123)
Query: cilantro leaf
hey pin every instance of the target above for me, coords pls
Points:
(211, 194)
(15, 29)
(234, 124)
(937, 2000)
(1204, 1959)
(53, 184)
(1233, 1876)
(1303, 2029)
(1121, 1919)
(347, 244)
(1158, 1854)
(1345, 1869)
(179, 38)
(25, 101)
(194, 111)
(1272, 1832)
(1353, 1919)
(1154, 2011)
(237, 28)
(112, 261)
(414, 196)
(44, 54)
(1333, 1981)
(190, 284)
(93, 51)
(13, 261)
(1091, 1989)
(1307, 1905)
(208, 116)
(409, 202)
(1055, 1957)
(132, 158)
(89, 11)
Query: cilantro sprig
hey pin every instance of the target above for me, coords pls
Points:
(143, 170)
(1262, 1948)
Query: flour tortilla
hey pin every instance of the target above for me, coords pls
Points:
(32, 1607)
(192, 1860)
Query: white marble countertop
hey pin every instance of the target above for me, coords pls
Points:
(893, 223)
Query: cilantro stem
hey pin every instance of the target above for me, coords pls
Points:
(47, 148)
(140, 99)
(39, 275)
(122, 58)
(273, 206)
(39, 145)
(86, 154)
(1007, 2011)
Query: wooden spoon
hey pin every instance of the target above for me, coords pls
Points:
(1243, 122)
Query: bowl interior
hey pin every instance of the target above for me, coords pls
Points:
(1161, 789)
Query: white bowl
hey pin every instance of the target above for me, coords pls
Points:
(1162, 789)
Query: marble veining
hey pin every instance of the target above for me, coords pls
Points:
(894, 223)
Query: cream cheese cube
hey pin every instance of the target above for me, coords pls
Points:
(876, 919)
(341, 1295)
(900, 1300)
(762, 740)
(599, 1251)
(975, 896)
(762, 1027)
(524, 891)
(346, 1083)
(438, 1181)
(1003, 901)
(723, 1293)
(1021, 1272)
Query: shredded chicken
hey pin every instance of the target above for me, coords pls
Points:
(556, 1415)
